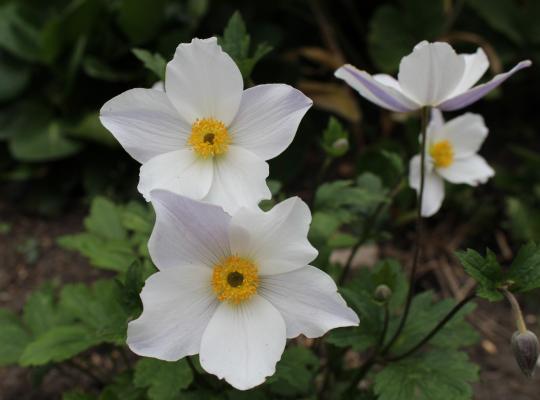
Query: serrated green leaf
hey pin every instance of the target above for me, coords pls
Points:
(524, 273)
(105, 219)
(58, 344)
(335, 140)
(152, 61)
(40, 313)
(98, 307)
(434, 375)
(13, 338)
(122, 388)
(138, 217)
(140, 20)
(294, 372)
(163, 379)
(485, 271)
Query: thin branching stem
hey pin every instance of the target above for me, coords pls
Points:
(418, 242)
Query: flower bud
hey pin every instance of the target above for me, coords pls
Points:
(525, 348)
(341, 145)
(383, 293)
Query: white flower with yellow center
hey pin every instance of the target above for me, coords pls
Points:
(433, 75)
(451, 149)
(232, 288)
(205, 137)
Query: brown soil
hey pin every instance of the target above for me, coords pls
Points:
(34, 237)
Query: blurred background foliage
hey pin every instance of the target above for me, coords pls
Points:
(60, 60)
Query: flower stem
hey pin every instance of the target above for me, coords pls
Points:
(516, 310)
(418, 242)
(435, 330)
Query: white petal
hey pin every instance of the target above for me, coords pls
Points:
(471, 170)
(178, 304)
(239, 180)
(476, 65)
(276, 239)
(268, 118)
(202, 81)
(145, 123)
(308, 300)
(179, 171)
(187, 232)
(464, 99)
(242, 343)
(434, 129)
(431, 73)
(433, 187)
(374, 90)
(466, 133)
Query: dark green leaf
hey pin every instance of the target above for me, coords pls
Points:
(524, 273)
(13, 338)
(163, 379)
(154, 62)
(294, 372)
(141, 19)
(105, 219)
(486, 271)
(501, 15)
(435, 375)
(41, 313)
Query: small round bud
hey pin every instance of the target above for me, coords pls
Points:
(525, 348)
(341, 145)
(383, 293)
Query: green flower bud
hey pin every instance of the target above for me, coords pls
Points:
(525, 348)
(341, 145)
(383, 293)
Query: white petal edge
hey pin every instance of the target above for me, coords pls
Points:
(180, 171)
(178, 304)
(277, 239)
(476, 65)
(242, 343)
(308, 300)
(430, 73)
(476, 93)
(375, 91)
(472, 170)
(239, 180)
(466, 133)
(187, 232)
(202, 81)
(433, 187)
(268, 118)
(145, 123)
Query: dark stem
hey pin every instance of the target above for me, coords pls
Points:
(435, 330)
(370, 362)
(418, 242)
(370, 224)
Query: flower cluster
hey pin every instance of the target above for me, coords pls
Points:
(234, 282)
(435, 76)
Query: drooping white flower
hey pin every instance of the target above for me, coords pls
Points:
(205, 137)
(432, 75)
(451, 149)
(232, 288)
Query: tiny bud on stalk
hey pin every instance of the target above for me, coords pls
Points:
(383, 293)
(525, 348)
(341, 145)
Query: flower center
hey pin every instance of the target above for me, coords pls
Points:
(442, 154)
(209, 137)
(235, 279)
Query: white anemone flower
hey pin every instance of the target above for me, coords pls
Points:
(451, 149)
(433, 75)
(232, 288)
(205, 137)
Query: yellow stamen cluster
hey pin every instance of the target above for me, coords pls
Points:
(235, 279)
(209, 137)
(442, 154)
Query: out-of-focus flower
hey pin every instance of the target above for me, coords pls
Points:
(433, 75)
(205, 137)
(451, 149)
(232, 288)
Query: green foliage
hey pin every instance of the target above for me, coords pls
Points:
(295, 372)
(116, 235)
(435, 375)
(335, 141)
(523, 274)
(13, 338)
(396, 29)
(164, 380)
(237, 43)
(153, 62)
